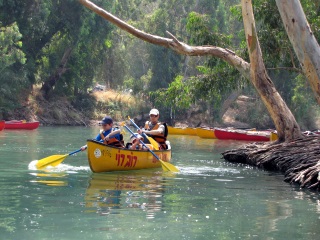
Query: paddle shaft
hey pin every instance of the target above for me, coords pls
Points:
(145, 135)
(143, 143)
(76, 151)
(53, 160)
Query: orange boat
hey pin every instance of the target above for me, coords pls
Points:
(21, 124)
(2, 125)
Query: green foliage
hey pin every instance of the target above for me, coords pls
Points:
(177, 96)
(216, 78)
(312, 11)
(13, 87)
(139, 85)
(10, 46)
(303, 105)
(201, 33)
(164, 63)
(12, 59)
(108, 43)
(275, 44)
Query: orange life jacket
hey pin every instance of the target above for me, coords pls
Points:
(161, 138)
(113, 141)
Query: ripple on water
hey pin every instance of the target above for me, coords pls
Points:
(60, 168)
(206, 171)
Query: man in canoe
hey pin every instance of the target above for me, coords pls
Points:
(108, 135)
(155, 129)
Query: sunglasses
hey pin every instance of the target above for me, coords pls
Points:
(153, 115)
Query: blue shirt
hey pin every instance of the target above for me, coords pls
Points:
(105, 133)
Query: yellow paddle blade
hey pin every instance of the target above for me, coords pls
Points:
(168, 166)
(53, 160)
(153, 142)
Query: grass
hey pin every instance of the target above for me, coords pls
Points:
(118, 104)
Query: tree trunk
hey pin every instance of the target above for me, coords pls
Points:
(287, 127)
(49, 84)
(303, 41)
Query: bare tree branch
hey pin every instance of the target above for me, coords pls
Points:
(179, 47)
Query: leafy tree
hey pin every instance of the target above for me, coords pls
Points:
(11, 57)
(177, 96)
(10, 50)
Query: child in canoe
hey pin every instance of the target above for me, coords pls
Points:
(135, 143)
(108, 135)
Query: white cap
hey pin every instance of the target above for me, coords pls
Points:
(154, 111)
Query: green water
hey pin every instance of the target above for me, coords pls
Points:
(208, 199)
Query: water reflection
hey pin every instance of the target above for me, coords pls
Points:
(277, 211)
(54, 176)
(50, 178)
(21, 142)
(108, 193)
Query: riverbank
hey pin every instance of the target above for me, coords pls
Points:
(237, 111)
(84, 111)
(62, 112)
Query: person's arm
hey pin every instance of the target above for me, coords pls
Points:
(160, 130)
(113, 133)
(98, 137)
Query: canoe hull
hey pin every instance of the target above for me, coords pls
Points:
(181, 131)
(21, 125)
(205, 133)
(103, 158)
(242, 135)
(2, 123)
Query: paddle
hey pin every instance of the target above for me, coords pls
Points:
(53, 160)
(153, 142)
(165, 165)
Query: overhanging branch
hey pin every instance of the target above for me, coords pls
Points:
(173, 43)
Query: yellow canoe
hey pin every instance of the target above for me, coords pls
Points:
(103, 158)
(205, 132)
(181, 131)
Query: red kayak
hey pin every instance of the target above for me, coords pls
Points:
(1, 125)
(238, 134)
(17, 124)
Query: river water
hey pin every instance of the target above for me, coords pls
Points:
(208, 199)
